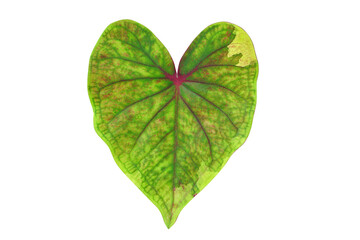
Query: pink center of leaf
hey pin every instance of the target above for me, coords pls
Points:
(177, 79)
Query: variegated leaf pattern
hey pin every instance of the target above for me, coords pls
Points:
(172, 131)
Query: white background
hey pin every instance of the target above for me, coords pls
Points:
(296, 177)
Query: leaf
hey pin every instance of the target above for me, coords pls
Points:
(170, 132)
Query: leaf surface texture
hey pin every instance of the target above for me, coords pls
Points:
(172, 131)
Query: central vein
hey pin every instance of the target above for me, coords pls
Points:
(175, 146)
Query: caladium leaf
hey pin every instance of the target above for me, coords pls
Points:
(172, 131)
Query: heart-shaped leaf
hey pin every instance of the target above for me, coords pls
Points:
(172, 132)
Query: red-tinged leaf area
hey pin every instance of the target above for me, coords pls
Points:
(172, 131)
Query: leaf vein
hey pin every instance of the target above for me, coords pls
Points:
(147, 124)
(132, 104)
(203, 129)
(133, 79)
(175, 148)
(142, 48)
(124, 59)
(158, 162)
(152, 187)
(213, 104)
(151, 150)
(218, 85)
(197, 66)
(192, 180)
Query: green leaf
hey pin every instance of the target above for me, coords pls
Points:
(172, 132)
